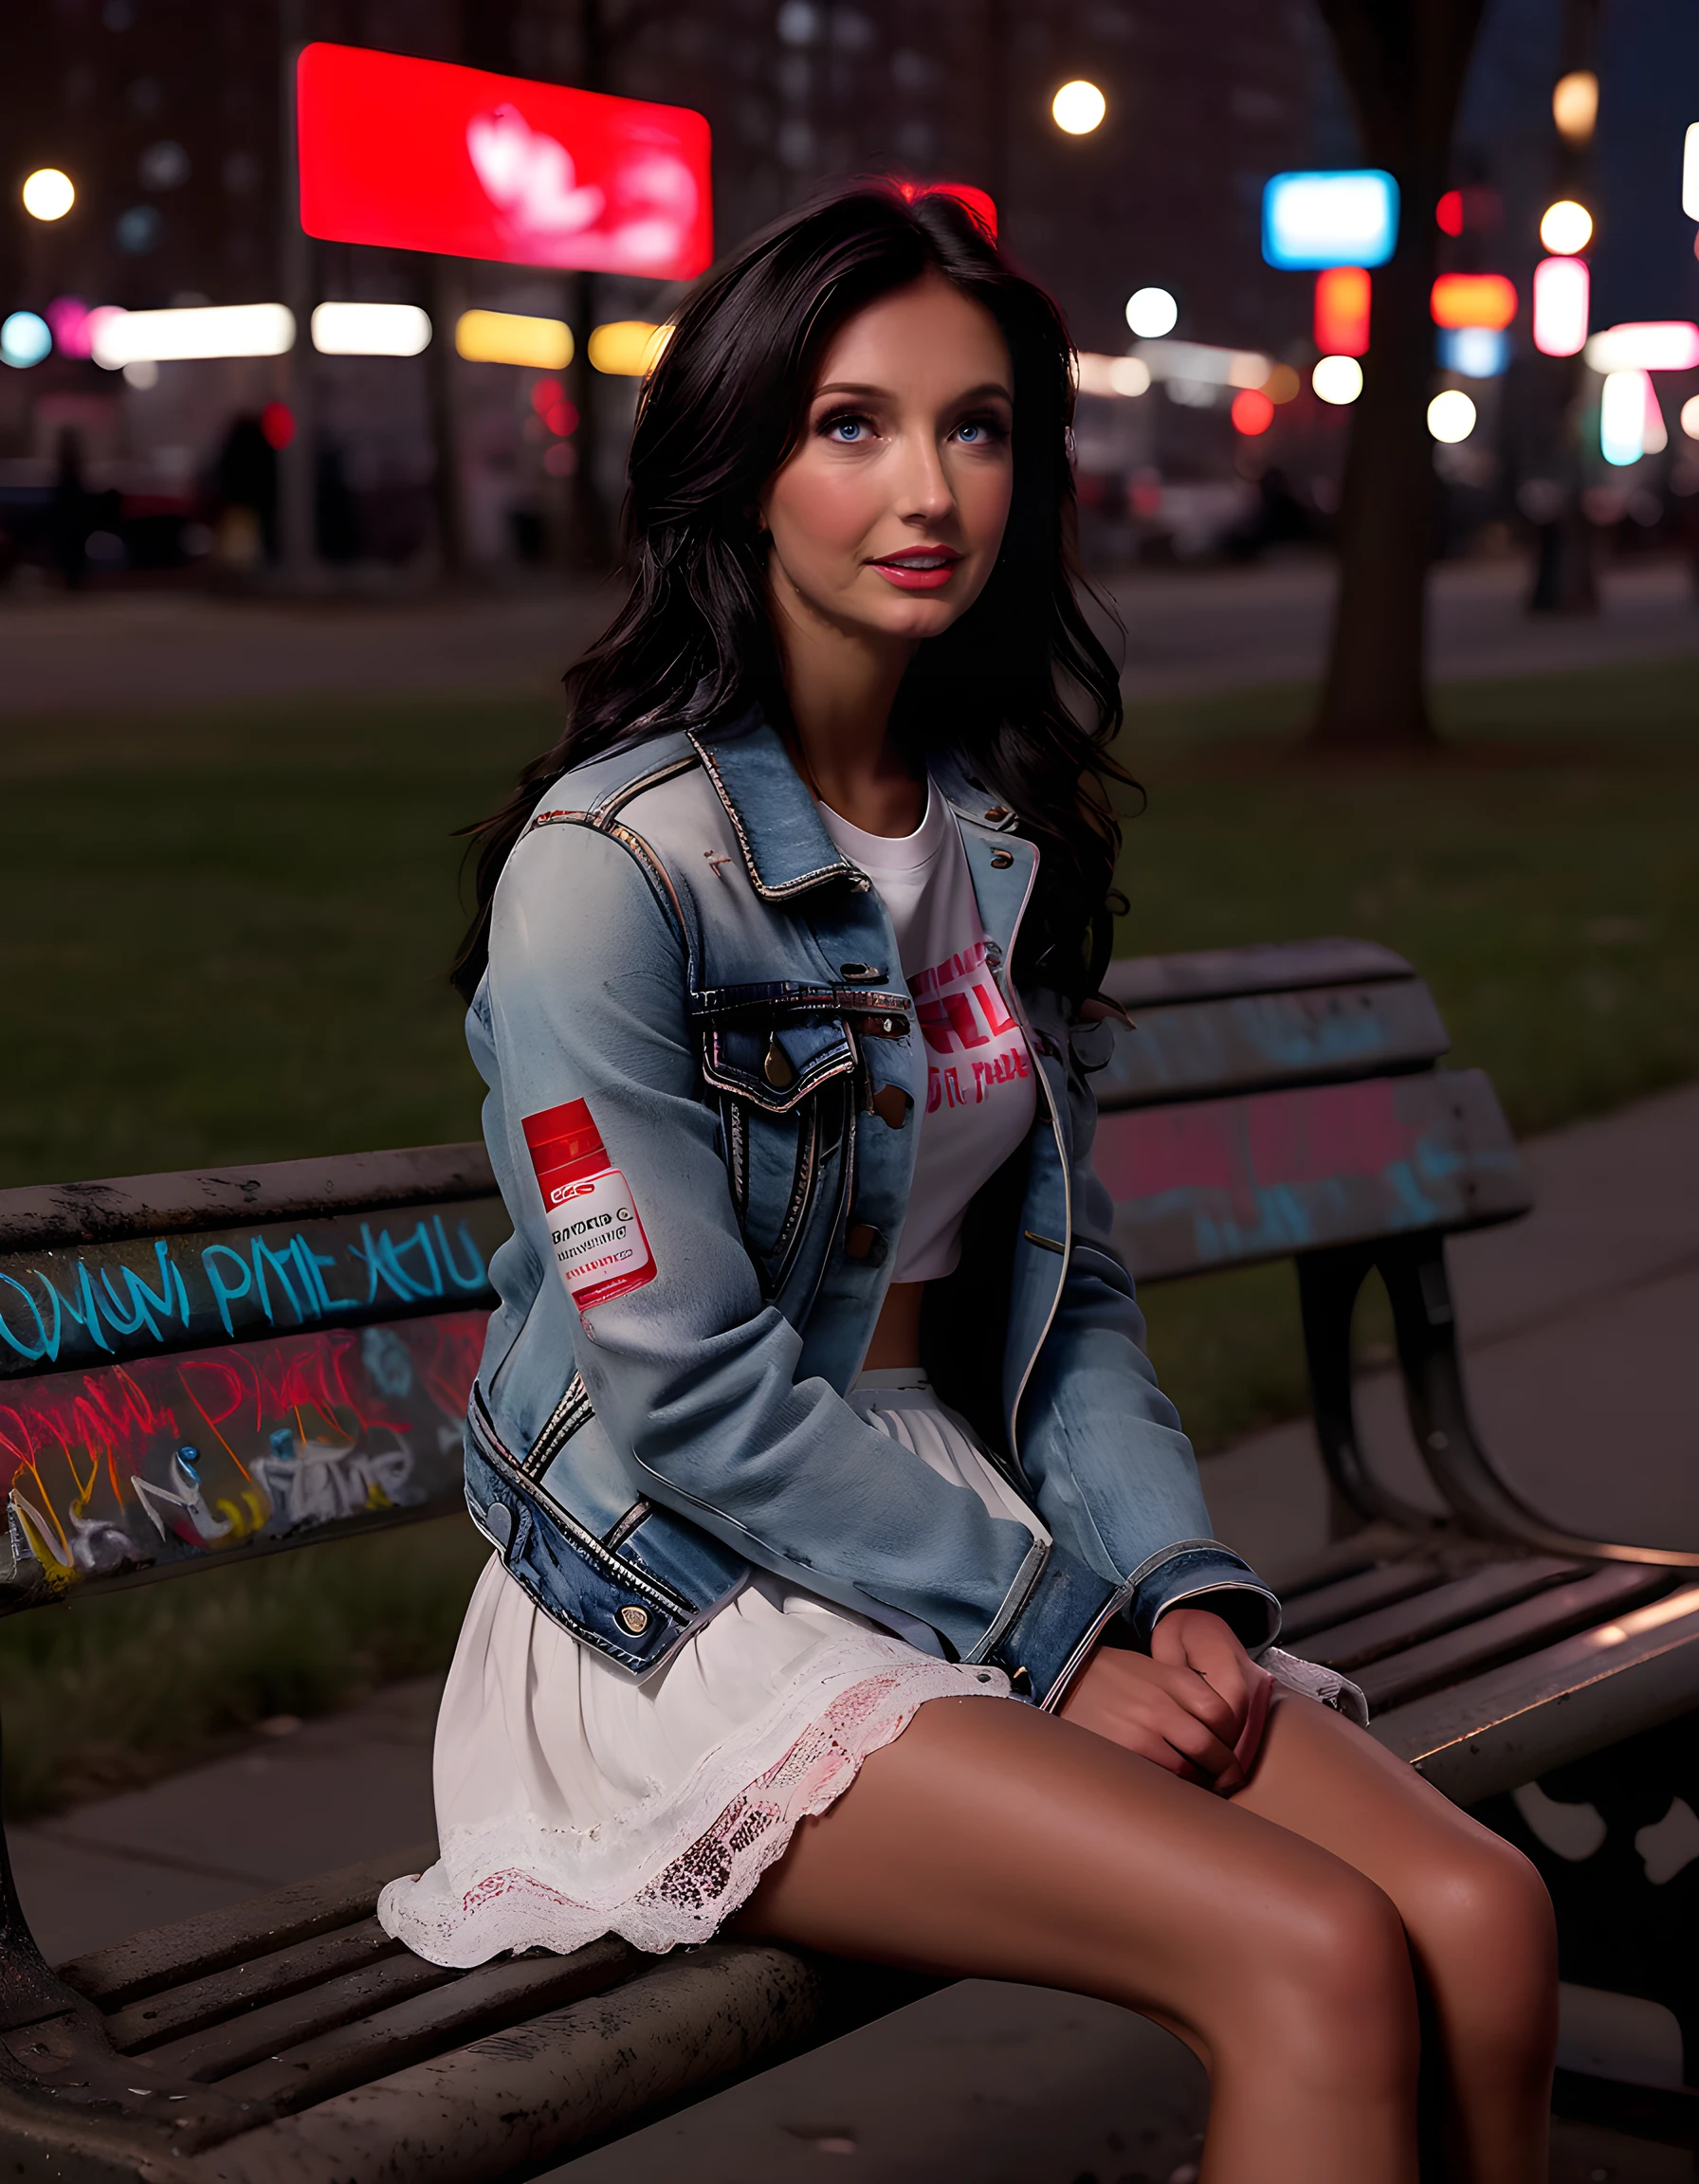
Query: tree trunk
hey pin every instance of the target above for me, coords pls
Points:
(1404, 62)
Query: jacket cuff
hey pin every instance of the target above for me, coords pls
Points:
(1203, 1573)
(1050, 1640)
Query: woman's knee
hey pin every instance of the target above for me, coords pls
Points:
(1332, 1985)
(1482, 1927)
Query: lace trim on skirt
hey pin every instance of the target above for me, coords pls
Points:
(509, 1885)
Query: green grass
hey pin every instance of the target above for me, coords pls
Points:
(102, 1696)
(222, 937)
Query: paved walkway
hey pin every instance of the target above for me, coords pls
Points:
(1187, 632)
(1582, 1367)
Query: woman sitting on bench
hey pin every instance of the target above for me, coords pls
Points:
(854, 1585)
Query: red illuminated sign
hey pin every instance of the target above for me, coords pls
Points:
(422, 155)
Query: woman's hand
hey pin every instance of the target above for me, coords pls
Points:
(1195, 1706)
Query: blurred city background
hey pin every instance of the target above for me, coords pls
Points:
(1388, 457)
(1205, 431)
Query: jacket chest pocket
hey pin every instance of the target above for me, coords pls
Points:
(785, 1064)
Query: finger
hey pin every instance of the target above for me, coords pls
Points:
(1189, 1736)
(1186, 1688)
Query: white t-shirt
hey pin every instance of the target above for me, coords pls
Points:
(980, 1098)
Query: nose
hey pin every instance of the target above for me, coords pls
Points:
(926, 495)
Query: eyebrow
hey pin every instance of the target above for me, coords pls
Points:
(973, 395)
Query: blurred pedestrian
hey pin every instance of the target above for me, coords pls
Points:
(246, 480)
(69, 518)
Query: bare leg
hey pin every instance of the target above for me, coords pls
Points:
(993, 1841)
(1477, 1915)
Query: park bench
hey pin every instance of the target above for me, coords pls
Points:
(199, 1367)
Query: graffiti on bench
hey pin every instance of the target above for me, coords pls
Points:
(93, 1303)
(1219, 1183)
(168, 1459)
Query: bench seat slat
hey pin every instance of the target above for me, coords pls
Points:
(1201, 1049)
(469, 2006)
(681, 2028)
(1513, 1723)
(1265, 967)
(176, 2012)
(1343, 1597)
(215, 2053)
(1546, 1616)
(214, 1940)
(1232, 1182)
(1352, 1645)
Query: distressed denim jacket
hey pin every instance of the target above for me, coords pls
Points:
(677, 942)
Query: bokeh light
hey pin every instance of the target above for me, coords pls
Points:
(1473, 300)
(1690, 416)
(511, 338)
(628, 348)
(49, 194)
(1283, 384)
(1122, 375)
(370, 330)
(1690, 174)
(25, 338)
(1348, 217)
(1451, 416)
(277, 421)
(1566, 227)
(1151, 313)
(1447, 213)
(1342, 311)
(1337, 380)
(1563, 287)
(1078, 108)
(1251, 413)
(1475, 352)
(1575, 106)
(1622, 417)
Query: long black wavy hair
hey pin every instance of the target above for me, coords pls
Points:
(1020, 684)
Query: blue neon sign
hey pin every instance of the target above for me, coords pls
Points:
(1311, 221)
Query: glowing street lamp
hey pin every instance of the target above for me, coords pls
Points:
(1338, 380)
(1078, 108)
(1151, 313)
(1451, 417)
(49, 194)
(1566, 227)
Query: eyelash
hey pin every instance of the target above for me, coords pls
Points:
(994, 427)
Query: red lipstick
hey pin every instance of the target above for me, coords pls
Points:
(918, 567)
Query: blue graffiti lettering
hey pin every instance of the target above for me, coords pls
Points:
(224, 1296)
(310, 1262)
(478, 1277)
(23, 1349)
(279, 1262)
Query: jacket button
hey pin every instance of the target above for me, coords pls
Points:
(998, 811)
(777, 1068)
(865, 1242)
(633, 1618)
(1001, 859)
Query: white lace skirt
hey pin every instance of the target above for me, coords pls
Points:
(573, 1802)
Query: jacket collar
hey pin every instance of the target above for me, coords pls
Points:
(786, 847)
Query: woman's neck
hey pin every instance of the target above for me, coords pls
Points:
(841, 685)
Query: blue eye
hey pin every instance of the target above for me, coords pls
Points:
(970, 435)
(845, 431)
